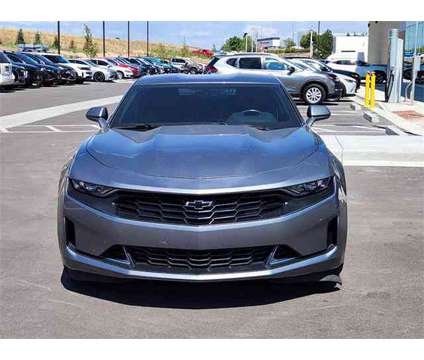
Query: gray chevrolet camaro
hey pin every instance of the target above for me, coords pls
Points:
(204, 178)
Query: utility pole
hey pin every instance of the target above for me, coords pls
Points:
(147, 25)
(318, 35)
(245, 41)
(128, 30)
(104, 43)
(311, 45)
(414, 65)
(58, 37)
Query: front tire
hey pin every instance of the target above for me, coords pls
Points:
(99, 77)
(120, 75)
(313, 94)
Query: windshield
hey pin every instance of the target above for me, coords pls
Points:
(298, 64)
(56, 58)
(27, 59)
(46, 60)
(319, 66)
(114, 62)
(35, 58)
(255, 105)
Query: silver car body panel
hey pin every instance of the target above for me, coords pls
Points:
(211, 160)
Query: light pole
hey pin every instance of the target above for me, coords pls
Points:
(147, 25)
(104, 43)
(414, 65)
(318, 35)
(58, 37)
(128, 30)
(245, 41)
(311, 45)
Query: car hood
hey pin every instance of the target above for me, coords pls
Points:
(202, 151)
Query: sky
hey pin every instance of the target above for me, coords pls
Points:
(203, 34)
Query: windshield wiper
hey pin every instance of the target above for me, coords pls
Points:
(140, 126)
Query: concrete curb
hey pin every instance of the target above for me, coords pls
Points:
(395, 119)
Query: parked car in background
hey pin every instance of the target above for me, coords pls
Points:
(19, 73)
(322, 66)
(145, 65)
(407, 73)
(168, 67)
(135, 70)
(121, 71)
(99, 73)
(64, 74)
(186, 65)
(360, 67)
(6, 75)
(83, 71)
(155, 62)
(312, 87)
(35, 71)
(348, 83)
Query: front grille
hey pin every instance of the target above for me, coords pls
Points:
(200, 210)
(202, 260)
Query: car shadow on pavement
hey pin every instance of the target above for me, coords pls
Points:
(180, 295)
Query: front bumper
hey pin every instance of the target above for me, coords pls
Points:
(338, 91)
(305, 231)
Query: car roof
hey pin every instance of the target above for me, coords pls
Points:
(170, 79)
(246, 54)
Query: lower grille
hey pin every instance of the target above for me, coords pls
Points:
(202, 260)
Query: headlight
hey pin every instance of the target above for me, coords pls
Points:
(91, 189)
(308, 188)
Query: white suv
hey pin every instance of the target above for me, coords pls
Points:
(6, 75)
(100, 73)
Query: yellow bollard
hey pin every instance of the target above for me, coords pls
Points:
(367, 89)
(372, 97)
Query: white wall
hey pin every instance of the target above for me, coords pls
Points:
(359, 44)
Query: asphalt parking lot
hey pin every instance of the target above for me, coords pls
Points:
(382, 289)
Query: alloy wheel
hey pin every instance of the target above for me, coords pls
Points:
(313, 95)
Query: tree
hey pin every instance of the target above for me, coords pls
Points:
(20, 37)
(55, 43)
(325, 46)
(290, 43)
(234, 44)
(306, 39)
(90, 48)
(37, 38)
(161, 51)
(72, 45)
(185, 51)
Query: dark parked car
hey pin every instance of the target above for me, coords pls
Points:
(50, 74)
(20, 74)
(204, 178)
(407, 74)
(35, 72)
(65, 74)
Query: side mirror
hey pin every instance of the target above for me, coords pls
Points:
(316, 113)
(292, 69)
(98, 114)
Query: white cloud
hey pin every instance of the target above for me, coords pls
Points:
(194, 34)
(262, 31)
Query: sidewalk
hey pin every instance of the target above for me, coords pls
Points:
(407, 117)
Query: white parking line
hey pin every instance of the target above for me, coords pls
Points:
(52, 128)
(31, 116)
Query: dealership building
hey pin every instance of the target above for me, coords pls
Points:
(378, 38)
